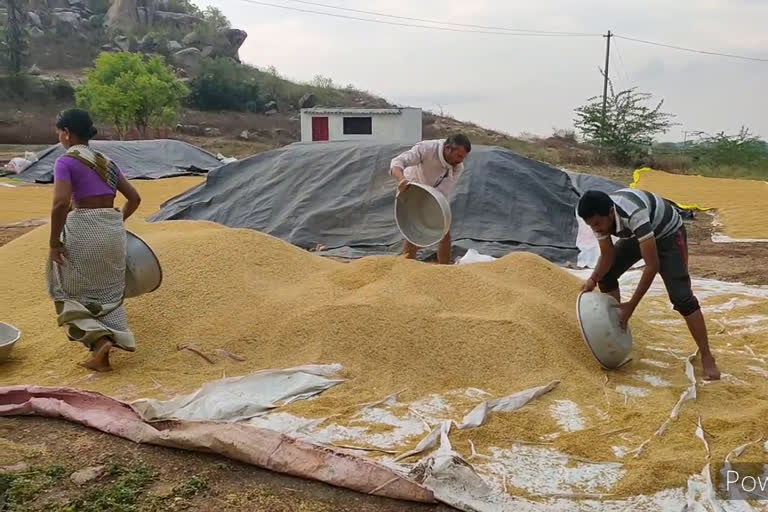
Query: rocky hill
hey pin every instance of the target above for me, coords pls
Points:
(65, 36)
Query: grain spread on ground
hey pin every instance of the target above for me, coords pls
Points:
(26, 201)
(740, 204)
(426, 330)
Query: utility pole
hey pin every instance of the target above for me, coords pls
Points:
(605, 78)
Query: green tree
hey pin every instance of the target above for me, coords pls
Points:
(130, 91)
(629, 127)
(222, 84)
(743, 149)
(323, 82)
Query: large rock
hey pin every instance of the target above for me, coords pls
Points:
(207, 52)
(79, 5)
(191, 39)
(270, 105)
(227, 42)
(36, 33)
(34, 20)
(150, 8)
(123, 43)
(309, 100)
(187, 58)
(147, 44)
(123, 16)
(178, 20)
(174, 46)
(66, 22)
(190, 129)
(141, 12)
(58, 4)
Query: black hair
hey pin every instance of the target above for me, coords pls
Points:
(594, 202)
(78, 122)
(459, 140)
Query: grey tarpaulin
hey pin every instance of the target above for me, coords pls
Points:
(138, 159)
(340, 195)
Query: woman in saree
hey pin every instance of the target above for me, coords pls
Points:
(86, 267)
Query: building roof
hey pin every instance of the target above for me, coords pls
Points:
(351, 111)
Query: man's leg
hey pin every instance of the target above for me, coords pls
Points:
(627, 254)
(444, 250)
(673, 256)
(410, 250)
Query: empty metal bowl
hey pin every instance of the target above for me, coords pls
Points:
(143, 273)
(9, 335)
(599, 321)
(423, 215)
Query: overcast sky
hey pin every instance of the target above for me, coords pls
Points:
(526, 84)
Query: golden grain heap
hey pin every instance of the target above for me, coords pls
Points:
(393, 324)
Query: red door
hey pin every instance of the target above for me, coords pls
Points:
(320, 128)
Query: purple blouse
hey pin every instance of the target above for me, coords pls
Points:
(85, 181)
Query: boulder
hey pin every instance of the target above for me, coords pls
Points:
(123, 16)
(34, 20)
(227, 42)
(187, 58)
(309, 100)
(207, 52)
(212, 132)
(270, 105)
(270, 112)
(190, 39)
(174, 46)
(109, 48)
(34, 70)
(58, 4)
(147, 44)
(66, 22)
(36, 33)
(123, 43)
(78, 5)
(141, 13)
(243, 135)
(150, 8)
(176, 19)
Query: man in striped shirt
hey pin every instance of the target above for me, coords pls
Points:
(650, 228)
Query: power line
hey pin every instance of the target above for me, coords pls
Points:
(467, 25)
(692, 50)
(622, 66)
(444, 29)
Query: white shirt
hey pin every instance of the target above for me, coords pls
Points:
(425, 164)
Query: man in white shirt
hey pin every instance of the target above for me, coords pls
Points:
(435, 163)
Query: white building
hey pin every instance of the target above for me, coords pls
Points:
(375, 124)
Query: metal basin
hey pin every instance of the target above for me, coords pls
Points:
(599, 321)
(143, 273)
(423, 215)
(9, 335)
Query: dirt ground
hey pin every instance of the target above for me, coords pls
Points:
(140, 477)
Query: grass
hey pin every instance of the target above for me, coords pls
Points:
(192, 487)
(122, 495)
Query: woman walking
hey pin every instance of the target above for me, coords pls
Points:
(86, 267)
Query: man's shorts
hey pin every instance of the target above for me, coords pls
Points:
(673, 267)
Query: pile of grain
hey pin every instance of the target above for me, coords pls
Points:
(394, 324)
(741, 204)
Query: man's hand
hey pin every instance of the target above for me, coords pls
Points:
(625, 313)
(56, 255)
(402, 185)
(588, 285)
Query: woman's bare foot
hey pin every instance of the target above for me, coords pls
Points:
(99, 360)
(711, 371)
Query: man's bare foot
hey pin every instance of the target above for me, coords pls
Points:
(711, 371)
(99, 360)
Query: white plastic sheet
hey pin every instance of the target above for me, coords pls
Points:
(240, 398)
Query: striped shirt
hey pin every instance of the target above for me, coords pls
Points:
(643, 214)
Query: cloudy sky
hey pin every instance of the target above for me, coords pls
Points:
(523, 83)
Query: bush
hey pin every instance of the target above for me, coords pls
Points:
(222, 84)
